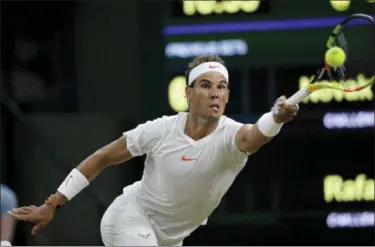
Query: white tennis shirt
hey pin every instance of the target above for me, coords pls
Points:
(183, 180)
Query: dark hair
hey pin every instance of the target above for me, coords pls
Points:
(199, 60)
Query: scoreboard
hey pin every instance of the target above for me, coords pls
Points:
(188, 11)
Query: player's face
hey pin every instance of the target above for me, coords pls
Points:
(209, 95)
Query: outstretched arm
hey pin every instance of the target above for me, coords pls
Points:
(135, 142)
(250, 138)
(114, 153)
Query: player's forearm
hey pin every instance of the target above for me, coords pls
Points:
(89, 168)
(93, 165)
(80, 177)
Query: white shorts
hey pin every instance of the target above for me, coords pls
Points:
(124, 224)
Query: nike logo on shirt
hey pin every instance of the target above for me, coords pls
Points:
(184, 158)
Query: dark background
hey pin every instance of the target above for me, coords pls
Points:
(75, 75)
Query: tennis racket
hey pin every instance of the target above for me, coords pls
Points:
(345, 78)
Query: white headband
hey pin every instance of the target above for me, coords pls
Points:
(207, 67)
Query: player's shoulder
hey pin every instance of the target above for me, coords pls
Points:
(165, 119)
(229, 123)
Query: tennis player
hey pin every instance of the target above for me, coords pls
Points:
(192, 160)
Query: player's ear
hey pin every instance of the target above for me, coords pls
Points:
(227, 96)
(188, 93)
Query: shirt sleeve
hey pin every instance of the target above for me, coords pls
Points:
(145, 137)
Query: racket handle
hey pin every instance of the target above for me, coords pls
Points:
(298, 96)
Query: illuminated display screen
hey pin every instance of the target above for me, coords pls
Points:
(210, 11)
(288, 80)
(218, 8)
(260, 45)
(332, 173)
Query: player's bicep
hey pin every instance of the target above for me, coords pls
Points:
(250, 139)
(116, 152)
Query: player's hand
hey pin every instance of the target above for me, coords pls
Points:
(40, 216)
(284, 112)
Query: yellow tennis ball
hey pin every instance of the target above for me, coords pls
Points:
(335, 57)
(340, 5)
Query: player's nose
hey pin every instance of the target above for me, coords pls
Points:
(214, 94)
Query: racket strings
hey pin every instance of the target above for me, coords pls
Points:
(350, 78)
(340, 41)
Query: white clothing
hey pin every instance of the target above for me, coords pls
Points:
(125, 224)
(183, 180)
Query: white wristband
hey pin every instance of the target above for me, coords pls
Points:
(74, 183)
(267, 126)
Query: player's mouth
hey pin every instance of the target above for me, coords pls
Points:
(215, 107)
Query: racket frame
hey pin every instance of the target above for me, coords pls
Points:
(315, 86)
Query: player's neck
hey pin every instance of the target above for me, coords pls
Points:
(198, 127)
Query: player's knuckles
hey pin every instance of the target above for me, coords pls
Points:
(291, 108)
(281, 99)
(19, 216)
(23, 211)
(17, 210)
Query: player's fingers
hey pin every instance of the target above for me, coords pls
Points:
(18, 216)
(16, 210)
(25, 217)
(24, 211)
(280, 100)
(290, 118)
(280, 103)
(291, 108)
(293, 115)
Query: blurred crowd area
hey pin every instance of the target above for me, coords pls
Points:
(35, 55)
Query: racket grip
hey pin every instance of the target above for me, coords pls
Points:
(298, 96)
